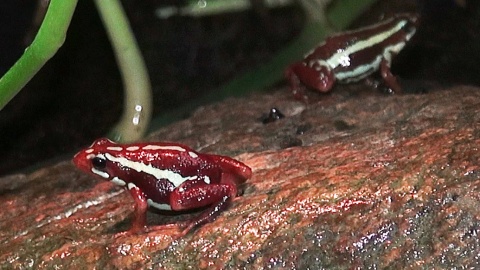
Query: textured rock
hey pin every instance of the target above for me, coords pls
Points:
(354, 179)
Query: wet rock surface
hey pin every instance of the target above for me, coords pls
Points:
(353, 179)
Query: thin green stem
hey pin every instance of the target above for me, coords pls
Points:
(49, 39)
(137, 99)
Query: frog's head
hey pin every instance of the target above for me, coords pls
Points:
(93, 159)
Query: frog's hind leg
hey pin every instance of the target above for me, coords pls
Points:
(217, 196)
(232, 169)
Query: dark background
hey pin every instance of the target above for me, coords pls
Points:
(77, 96)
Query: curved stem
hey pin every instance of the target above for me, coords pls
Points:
(137, 99)
(49, 39)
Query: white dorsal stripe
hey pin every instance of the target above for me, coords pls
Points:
(364, 70)
(159, 206)
(192, 154)
(164, 147)
(176, 178)
(115, 148)
(336, 58)
(133, 148)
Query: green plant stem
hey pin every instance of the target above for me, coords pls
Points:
(343, 12)
(49, 39)
(137, 98)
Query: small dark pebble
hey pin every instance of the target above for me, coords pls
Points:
(272, 116)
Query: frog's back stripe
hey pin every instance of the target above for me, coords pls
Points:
(115, 148)
(367, 54)
(361, 51)
(175, 178)
(164, 147)
(346, 75)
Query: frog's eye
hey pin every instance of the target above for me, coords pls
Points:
(99, 163)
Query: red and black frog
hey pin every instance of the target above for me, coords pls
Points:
(352, 56)
(166, 176)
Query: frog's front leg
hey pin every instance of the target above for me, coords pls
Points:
(140, 212)
(388, 77)
(184, 198)
(315, 75)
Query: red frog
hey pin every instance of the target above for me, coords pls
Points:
(353, 55)
(166, 176)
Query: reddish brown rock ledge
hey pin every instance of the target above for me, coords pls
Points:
(355, 179)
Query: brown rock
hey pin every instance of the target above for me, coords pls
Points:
(357, 179)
